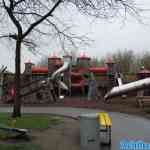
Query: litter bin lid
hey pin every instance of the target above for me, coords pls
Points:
(90, 115)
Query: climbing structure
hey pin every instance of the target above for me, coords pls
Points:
(47, 92)
(36, 83)
(37, 88)
(78, 79)
(80, 74)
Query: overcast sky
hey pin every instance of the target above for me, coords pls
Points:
(108, 36)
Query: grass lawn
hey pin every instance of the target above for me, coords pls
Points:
(29, 121)
(26, 122)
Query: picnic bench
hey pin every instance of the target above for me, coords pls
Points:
(105, 125)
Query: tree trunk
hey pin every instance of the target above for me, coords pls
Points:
(17, 100)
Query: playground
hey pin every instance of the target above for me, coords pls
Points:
(68, 90)
(69, 77)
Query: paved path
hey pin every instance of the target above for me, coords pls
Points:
(124, 126)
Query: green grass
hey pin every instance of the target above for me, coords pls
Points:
(27, 122)
(19, 147)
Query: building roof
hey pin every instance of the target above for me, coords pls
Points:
(84, 57)
(28, 62)
(54, 57)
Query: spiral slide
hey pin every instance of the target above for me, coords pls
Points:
(58, 72)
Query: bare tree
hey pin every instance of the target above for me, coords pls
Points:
(26, 17)
(129, 62)
(124, 60)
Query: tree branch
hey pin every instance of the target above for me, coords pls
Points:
(42, 19)
(18, 2)
(12, 17)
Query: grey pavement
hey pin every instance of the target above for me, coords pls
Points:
(124, 126)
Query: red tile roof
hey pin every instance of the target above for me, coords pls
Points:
(84, 57)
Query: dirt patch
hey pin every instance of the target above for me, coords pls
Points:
(64, 136)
